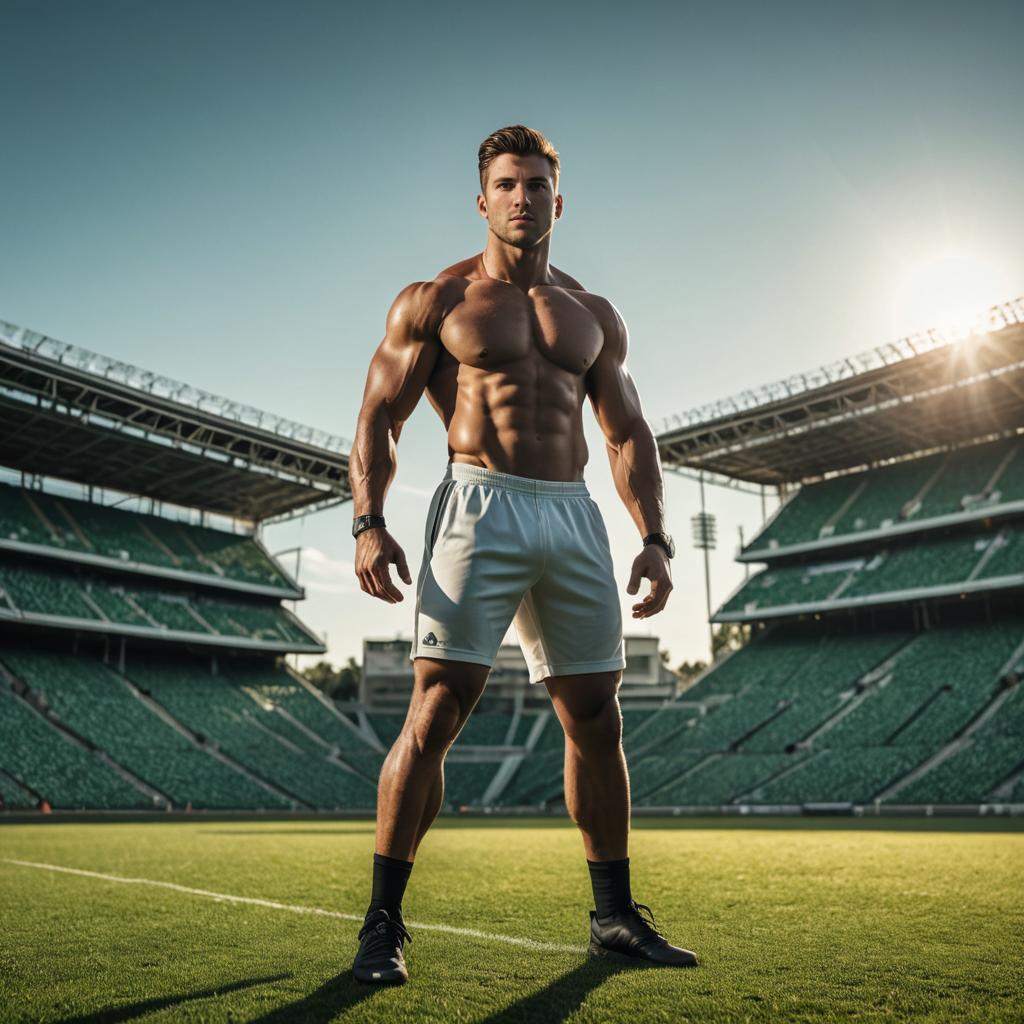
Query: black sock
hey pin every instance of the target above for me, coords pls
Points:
(390, 876)
(610, 879)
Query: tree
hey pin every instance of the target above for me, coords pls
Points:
(321, 675)
(689, 670)
(729, 636)
(338, 684)
(349, 679)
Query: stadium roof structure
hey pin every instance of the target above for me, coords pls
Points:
(70, 413)
(919, 394)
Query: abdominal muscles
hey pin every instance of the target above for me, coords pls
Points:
(525, 420)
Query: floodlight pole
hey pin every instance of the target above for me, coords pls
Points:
(703, 525)
(707, 576)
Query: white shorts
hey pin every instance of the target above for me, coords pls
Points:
(500, 547)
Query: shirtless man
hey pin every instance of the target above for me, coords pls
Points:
(507, 347)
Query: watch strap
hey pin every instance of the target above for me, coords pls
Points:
(361, 523)
(663, 541)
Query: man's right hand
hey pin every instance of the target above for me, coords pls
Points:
(376, 550)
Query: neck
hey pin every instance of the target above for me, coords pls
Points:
(524, 268)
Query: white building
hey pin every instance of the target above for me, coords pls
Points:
(388, 676)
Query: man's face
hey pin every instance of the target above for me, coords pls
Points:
(519, 200)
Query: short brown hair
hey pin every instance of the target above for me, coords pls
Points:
(520, 141)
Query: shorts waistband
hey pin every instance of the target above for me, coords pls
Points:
(462, 472)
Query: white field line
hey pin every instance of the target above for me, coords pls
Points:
(220, 897)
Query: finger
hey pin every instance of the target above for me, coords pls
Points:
(654, 601)
(369, 584)
(403, 566)
(634, 581)
(388, 589)
(658, 596)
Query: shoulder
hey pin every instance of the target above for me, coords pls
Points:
(421, 307)
(612, 325)
(601, 307)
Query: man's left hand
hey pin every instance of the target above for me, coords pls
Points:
(651, 564)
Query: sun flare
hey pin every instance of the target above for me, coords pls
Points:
(951, 292)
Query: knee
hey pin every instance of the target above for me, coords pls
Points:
(599, 727)
(434, 724)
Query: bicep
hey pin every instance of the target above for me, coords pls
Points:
(405, 359)
(612, 392)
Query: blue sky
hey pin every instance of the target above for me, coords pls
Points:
(232, 194)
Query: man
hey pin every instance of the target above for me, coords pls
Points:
(507, 348)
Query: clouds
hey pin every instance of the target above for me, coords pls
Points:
(325, 574)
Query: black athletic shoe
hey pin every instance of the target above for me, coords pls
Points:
(380, 959)
(629, 937)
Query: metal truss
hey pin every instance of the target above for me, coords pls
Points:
(137, 379)
(69, 413)
(945, 395)
(995, 319)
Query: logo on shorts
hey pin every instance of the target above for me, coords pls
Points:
(430, 640)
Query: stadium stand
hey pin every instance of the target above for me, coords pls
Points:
(886, 632)
(251, 734)
(465, 782)
(30, 589)
(386, 727)
(49, 763)
(296, 700)
(973, 482)
(63, 525)
(14, 796)
(904, 566)
(96, 704)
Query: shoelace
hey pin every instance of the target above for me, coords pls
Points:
(385, 935)
(649, 919)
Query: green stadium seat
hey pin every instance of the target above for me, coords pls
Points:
(36, 755)
(252, 734)
(465, 782)
(97, 704)
(69, 524)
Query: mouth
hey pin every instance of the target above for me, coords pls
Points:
(521, 220)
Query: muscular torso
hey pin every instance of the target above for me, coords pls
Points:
(510, 382)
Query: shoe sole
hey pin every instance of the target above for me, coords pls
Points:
(599, 952)
(381, 977)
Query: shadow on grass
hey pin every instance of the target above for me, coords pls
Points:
(562, 998)
(331, 999)
(553, 1003)
(119, 1013)
(287, 832)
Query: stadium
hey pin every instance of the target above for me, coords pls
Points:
(143, 650)
(185, 816)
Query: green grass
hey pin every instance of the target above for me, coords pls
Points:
(839, 920)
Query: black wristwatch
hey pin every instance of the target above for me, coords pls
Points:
(663, 540)
(361, 523)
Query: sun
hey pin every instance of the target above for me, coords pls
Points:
(949, 292)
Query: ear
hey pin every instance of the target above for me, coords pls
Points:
(481, 206)
(558, 205)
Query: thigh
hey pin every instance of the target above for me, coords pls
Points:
(443, 696)
(570, 622)
(481, 557)
(436, 677)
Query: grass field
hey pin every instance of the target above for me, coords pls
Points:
(805, 921)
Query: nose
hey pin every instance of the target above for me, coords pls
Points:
(522, 199)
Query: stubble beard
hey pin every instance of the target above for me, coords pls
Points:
(523, 243)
